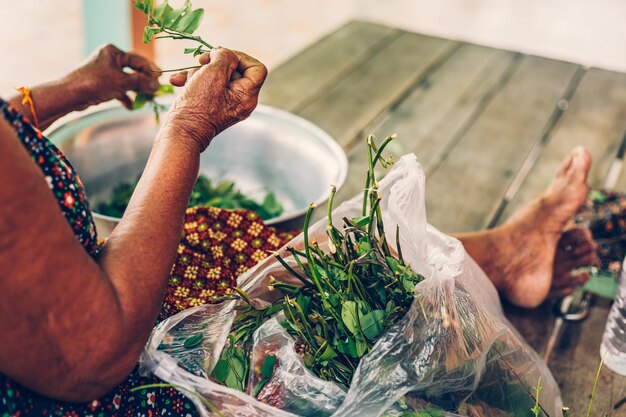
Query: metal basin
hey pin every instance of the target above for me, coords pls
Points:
(272, 150)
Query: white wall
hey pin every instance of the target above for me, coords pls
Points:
(41, 39)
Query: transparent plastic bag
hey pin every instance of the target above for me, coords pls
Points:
(454, 353)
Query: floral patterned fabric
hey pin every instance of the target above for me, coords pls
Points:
(59, 175)
(216, 246)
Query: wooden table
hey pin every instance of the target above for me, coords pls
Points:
(489, 127)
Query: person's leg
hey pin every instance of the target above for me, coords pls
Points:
(522, 255)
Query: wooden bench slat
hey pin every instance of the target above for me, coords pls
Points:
(355, 101)
(428, 120)
(307, 75)
(466, 187)
(595, 118)
(575, 361)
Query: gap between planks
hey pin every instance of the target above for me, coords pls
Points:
(536, 150)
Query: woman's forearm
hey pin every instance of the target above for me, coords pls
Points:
(139, 254)
(52, 101)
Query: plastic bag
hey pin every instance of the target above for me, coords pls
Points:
(454, 353)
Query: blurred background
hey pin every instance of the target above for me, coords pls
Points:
(43, 39)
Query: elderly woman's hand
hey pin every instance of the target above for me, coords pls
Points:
(110, 74)
(221, 93)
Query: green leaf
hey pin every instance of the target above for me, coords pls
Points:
(304, 302)
(268, 366)
(373, 324)
(348, 316)
(145, 6)
(162, 10)
(361, 348)
(597, 196)
(236, 377)
(149, 33)
(164, 90)
(334, 300)
(259, 386)
(221, 371)
(170, 19)
(193, 341)
(351, 348)
(189, 22)
(338, 275)
(199, 51)
(140, 100)
(329, 353)
(363, 245)
(434, 412)
(361, 221)
(271, 205)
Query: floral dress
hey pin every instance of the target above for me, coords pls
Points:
(216, 246)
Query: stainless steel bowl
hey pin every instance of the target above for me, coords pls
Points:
(272, 150)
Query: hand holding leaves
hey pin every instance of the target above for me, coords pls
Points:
(110, 73)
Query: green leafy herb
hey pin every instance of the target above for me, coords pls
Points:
(222, 195)
(193, 341)
(348, 297)
(266, 374)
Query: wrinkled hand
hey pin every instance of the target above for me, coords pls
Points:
(222, 92)
(110, 74)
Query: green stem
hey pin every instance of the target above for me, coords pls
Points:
(307, 251)
(291, 270)
(595, 383)
(370, 173)
(372, 215)
(398, 244)
(329, 213)
(382, 147)
(178, 69)
(190, 37)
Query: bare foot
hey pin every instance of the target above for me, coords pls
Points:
(530, 236)
(574, 249)
(519, 256)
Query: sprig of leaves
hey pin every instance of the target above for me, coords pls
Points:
(166, 22)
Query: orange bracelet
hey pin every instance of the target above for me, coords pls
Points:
(28, 99)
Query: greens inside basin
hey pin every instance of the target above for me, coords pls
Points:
(272, 151)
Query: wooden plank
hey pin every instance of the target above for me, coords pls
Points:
(467, 187)
(359, 98)
(595, 118)
(428, 120)
(618, 395)
(575, 361)
(305, 76)
(534, 325)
